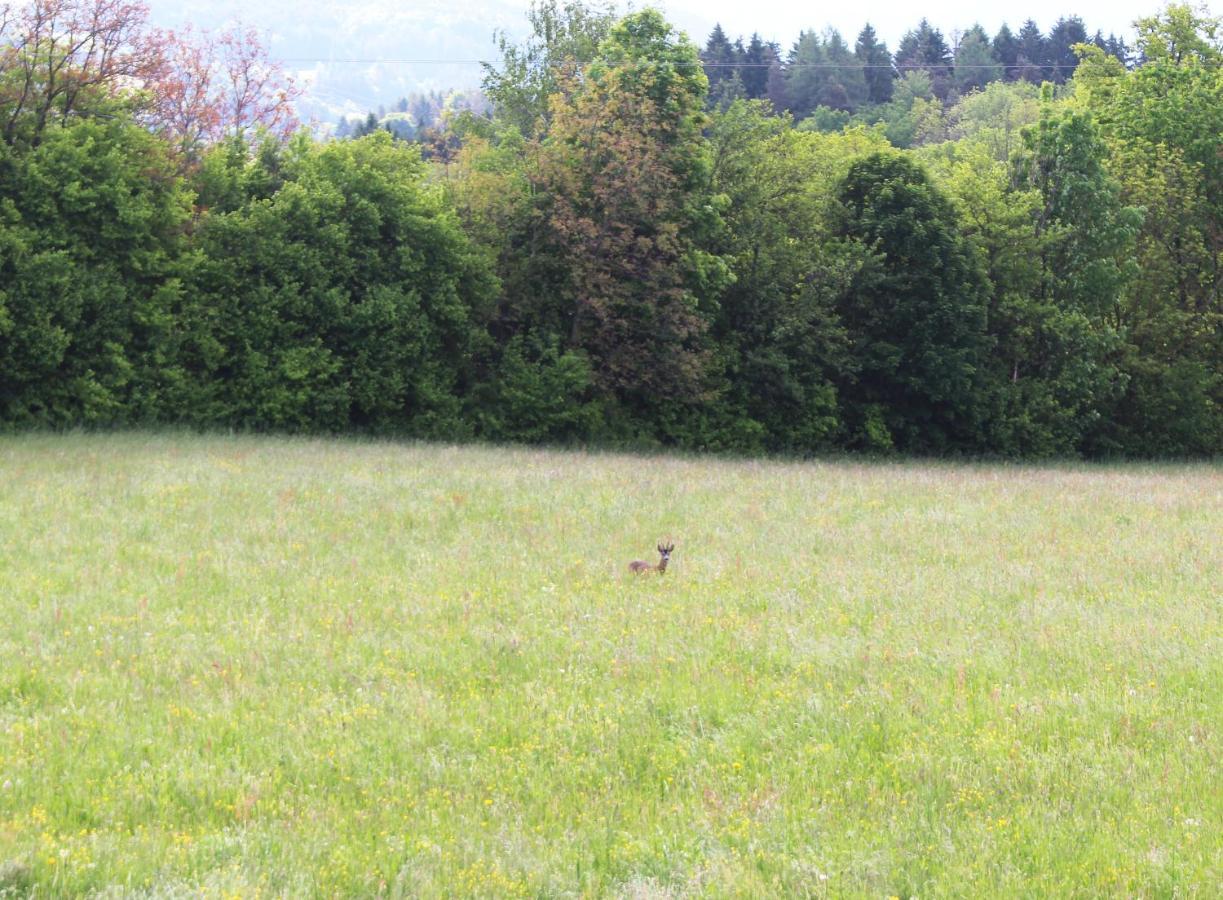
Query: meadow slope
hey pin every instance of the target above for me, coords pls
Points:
(242, 666)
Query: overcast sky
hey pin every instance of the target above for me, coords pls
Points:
(781, 20)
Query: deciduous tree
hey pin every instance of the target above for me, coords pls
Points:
(565, 36)
(63, 58)
(916, 315)
(206, 88)
(623, 179)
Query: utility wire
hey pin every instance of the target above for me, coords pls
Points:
(484, 62)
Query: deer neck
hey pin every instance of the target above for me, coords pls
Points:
(662, 565)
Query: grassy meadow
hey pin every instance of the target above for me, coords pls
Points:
(271, 667)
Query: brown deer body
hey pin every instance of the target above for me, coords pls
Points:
(640, 566)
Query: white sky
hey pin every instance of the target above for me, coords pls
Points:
(781, 20)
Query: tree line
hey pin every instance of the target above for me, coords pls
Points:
(416, 117)
(821, 74)
(617, 253)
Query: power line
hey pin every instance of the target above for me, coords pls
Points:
(389, 60)
(904, 67)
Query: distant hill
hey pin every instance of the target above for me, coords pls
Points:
(319, 39)
(325, 43)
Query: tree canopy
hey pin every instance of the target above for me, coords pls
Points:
(990, 245)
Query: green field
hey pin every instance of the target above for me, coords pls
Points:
(241, 666)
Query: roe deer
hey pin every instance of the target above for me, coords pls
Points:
(638, 566)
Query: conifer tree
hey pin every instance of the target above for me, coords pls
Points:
(975, 63)
(755, 72)
(924, 48)
(876, 64)
(718, 58)
(1062, 40)
(1006, 50)
(1033, 56)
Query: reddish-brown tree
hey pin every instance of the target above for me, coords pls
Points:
(210, 87)
(60, 58)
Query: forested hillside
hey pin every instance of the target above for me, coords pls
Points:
(823, 79)
(1008, 247)
(354, 55)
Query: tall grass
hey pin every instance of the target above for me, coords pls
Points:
(289, 667)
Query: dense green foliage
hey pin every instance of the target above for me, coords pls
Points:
(334, 290)
(915, 313)
(91, 254)
(636, 246)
